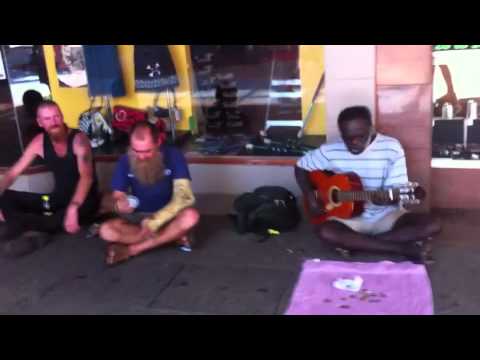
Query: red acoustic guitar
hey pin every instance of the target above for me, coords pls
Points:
(344, 197)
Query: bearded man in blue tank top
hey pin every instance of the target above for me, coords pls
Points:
(74, 200)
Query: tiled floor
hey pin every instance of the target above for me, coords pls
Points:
(226, 274)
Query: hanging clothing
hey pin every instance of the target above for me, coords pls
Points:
(154, 68)
(104, 73)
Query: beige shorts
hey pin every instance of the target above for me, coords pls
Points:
(373, 226)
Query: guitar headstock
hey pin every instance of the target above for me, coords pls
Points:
(411, 193)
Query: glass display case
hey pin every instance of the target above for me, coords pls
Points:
(242, 89)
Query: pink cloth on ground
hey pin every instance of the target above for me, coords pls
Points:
(388, 289)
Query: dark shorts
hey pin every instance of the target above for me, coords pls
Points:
(23, 211)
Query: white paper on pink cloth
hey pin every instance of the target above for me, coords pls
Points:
(388, 289)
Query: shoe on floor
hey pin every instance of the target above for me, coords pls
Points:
(186, 242)
(93, 231)
(25, 244)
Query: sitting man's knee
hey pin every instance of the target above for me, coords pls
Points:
(190, 218)
(107, 231)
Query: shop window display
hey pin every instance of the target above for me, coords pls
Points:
(456, 94)
(23, 84)
(242, 91)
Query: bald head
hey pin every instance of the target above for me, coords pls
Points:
(142, 134)
(144, 140)
(144, 155)
(144, 131)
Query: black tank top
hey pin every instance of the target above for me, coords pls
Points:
(65, 171)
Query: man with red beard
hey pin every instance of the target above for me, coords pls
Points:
(74, 200)
(156, 177)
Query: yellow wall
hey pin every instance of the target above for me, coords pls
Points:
(312, 66)
(74, 101)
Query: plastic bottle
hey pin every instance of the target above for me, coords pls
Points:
(47, 208)
(193, 125)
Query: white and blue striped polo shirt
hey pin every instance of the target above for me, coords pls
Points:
(380, 166)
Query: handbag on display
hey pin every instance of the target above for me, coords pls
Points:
(124, 118)
(94, 123)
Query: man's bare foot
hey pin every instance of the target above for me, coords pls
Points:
(420, 252)
(346, 254)
(117, 253)
(427, 249)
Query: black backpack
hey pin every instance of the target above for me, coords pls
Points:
(265, 209)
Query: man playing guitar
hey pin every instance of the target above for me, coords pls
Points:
(379, 161)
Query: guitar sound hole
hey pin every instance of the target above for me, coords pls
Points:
(335, 196)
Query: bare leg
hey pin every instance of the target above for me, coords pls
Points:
(411, 228)
(341, 235)
(120, 231)
(175, 230)
(126, 239)
(2, 218)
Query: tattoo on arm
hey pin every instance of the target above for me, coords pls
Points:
(87, 158)
(184, 194)
(182, 198)
(82, 141)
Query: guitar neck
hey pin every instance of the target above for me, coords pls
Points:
(363, 195)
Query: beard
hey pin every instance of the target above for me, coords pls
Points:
(57, 133)
(147, 172)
